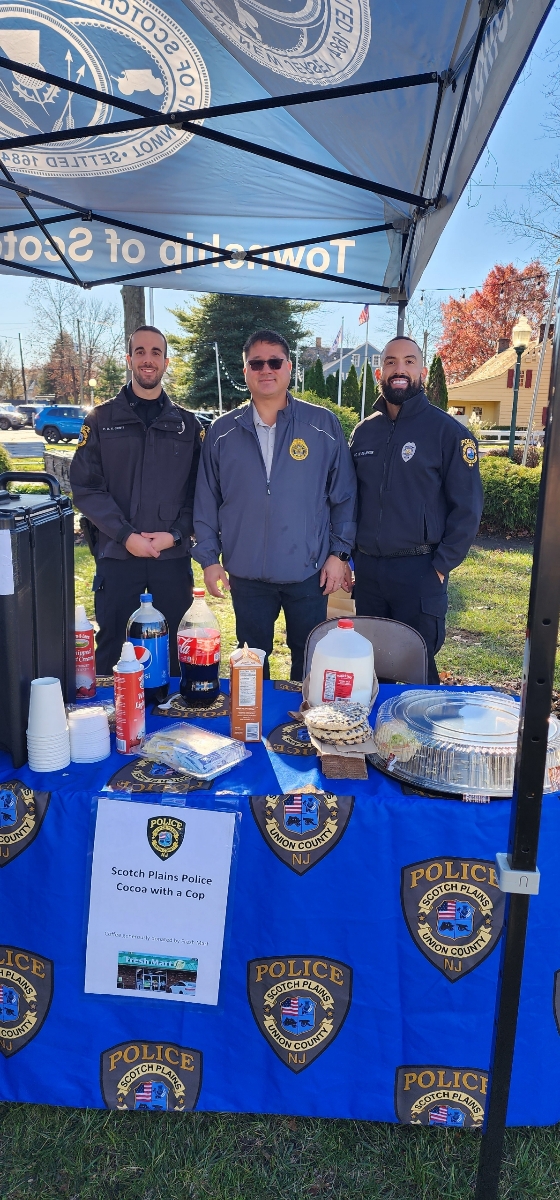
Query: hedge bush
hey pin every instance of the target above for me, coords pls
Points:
(5, 460)
(347, 416)
(511, 496)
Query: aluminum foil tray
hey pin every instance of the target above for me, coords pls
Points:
(457, 741)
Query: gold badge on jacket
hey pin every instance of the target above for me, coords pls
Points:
(299, 450)
(84, 434)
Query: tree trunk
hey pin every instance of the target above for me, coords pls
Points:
(134, 304)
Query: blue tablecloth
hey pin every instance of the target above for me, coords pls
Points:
(413, 1027)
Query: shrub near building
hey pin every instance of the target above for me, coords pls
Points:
(511, 495)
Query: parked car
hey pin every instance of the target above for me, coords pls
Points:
(205, 418)
(30, 411)
(60, 422)
(10, 417)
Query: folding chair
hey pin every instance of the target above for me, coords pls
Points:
(400, 653)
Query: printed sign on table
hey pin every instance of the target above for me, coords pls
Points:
(159, 889)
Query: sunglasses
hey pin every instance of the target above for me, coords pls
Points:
(257, 364)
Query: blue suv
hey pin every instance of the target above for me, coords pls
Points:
(60, 422)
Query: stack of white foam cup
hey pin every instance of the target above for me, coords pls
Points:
(89, 734)
(48, 740)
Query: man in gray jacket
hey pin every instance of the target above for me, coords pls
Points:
(276, 498)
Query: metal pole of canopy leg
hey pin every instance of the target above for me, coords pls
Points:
(536, 697)
(400, 318)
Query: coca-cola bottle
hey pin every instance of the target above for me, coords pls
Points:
(198, 645)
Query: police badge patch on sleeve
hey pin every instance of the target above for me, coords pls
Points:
(84, 434)
(302, 829)
(448, 1097)
(21, 815)
(299, 1004)
(469, 451)
(454, 910)
(26, 988)
(151, 1076)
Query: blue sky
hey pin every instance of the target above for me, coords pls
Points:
(469, 246)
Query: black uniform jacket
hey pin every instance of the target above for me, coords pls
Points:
(418, 482)
(127, 478)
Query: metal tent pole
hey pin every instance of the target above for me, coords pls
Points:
(536, 698)
(219, 378)
(400, 318)
(339, 399)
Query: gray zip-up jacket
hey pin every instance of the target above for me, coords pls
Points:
(283, 530)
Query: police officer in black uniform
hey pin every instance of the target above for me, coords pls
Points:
(133, 476)
(419, 500)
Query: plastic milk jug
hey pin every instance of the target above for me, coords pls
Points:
(341, 667)
(85, 655)
(129, 701)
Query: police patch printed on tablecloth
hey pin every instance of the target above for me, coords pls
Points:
(292, 737)
(454, 910)
(151, 1076)
(469, 451)
(448, 1097)
(302, 828)
(26, 988)
(408, 451)
(286, 685)
(21, 815)
(165, 835)
(143, 775)
(299, 1004)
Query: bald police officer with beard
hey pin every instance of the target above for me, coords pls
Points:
(419, 500)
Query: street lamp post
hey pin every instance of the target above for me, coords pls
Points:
(92, 387)
(520, 336)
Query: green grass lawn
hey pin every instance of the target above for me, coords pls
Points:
(66, 1154)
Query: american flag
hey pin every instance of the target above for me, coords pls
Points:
(438, 1116)
(145, 1093)
(291, 1007)
(448, 911)
(337, 342)
(364, 315)
(294, 805)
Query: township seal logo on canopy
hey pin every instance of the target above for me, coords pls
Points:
(165, 835)
(21, 817)
(129, 50)
(26, 988)
(302, 828)
(454, 910)
(315, 41)
(452, 1097)
(299, 1004)
(151, 1076)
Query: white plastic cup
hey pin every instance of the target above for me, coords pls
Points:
(47, 715)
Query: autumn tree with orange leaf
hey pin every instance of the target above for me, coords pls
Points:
(471, 327)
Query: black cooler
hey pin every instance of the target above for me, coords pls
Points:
(36, 600)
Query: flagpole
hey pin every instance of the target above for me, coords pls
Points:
(340, 364)
(365, 370)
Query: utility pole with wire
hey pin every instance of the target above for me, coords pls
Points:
(81, 362)
(22, 369)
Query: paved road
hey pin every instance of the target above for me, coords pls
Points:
(22, 443)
